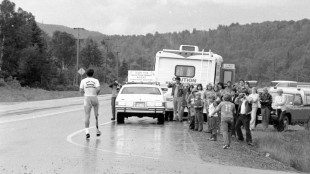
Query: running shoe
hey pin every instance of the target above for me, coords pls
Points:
(87, 136)
(212, 139)
(226, 147)
(98, 133)
(250, 144)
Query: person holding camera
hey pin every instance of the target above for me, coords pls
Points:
(244, 117)
(115, 87)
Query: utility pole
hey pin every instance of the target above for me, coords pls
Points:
(106, 58)
(117, 65)
(274, 68)
(77, 53)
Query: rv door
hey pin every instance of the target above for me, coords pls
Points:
(228, 73)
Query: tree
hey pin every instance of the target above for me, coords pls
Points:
(91, 55)
(123, 71)
(63, 49)
(35, 69)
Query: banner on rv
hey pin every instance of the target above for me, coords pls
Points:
(141, 76)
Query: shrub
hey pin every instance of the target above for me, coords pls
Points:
(2, 83)
(72, 88)
(13, 83)
(60, 88)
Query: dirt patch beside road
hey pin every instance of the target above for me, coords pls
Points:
(240, 154)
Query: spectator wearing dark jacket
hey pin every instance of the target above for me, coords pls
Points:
(266, 102)
(115, 87)
(244, 117)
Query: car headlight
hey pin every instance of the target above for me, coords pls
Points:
(121, 103)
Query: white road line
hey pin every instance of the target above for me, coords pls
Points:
(39, 116)
(69, 139)
(210, 165)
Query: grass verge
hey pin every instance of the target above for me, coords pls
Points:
(9, 94)
(291, 148)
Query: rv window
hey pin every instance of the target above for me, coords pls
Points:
(227, 76)
(184, 71)
(293, 85)
(284, 84)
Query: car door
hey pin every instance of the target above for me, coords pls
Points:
(306, 109)
(296, 109)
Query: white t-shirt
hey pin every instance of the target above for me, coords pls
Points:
(89, 85)
(243, 109)
(212, 109)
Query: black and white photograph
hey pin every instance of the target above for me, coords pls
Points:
(154, 86)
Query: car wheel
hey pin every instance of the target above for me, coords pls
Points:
(166, 116)
(286, 123)
(161, 119)
(283, 125)
(307, 127)
(120, 118)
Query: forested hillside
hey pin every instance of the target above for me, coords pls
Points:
(261, 51)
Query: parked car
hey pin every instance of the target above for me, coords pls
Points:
(141, 100)
(298, 108)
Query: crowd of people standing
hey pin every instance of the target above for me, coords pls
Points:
(227, 109)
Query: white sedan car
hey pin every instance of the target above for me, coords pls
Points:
(141, 100)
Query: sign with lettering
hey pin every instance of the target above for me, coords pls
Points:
(141, 76)
(229, 66)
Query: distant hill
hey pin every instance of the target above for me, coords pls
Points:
(51, 28)
(264, 51)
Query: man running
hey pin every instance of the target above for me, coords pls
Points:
(90, 88)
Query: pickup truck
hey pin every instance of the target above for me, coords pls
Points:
(298, 108)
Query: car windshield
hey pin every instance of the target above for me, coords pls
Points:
(141, 90)
(290, 97)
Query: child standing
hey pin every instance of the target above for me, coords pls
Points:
(191, 103)
(198, 105)
(213, 118)
(227, 113)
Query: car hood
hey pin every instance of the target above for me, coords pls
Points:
(133, 97)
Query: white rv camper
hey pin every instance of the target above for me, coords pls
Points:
(192, 66)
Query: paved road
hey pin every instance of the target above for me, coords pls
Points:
(47, 137)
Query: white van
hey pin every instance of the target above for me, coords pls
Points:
(192, 66)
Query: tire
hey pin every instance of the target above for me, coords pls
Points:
(284, 125)
(166, 116)
(120, 118)
(161, 118)
(307, 126)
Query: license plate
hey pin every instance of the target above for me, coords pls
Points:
(260, 117)
(140, 105)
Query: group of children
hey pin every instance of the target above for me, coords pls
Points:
(220, 111)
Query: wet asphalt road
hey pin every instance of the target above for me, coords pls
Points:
(48, 137)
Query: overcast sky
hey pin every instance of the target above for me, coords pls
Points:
(148, 16)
